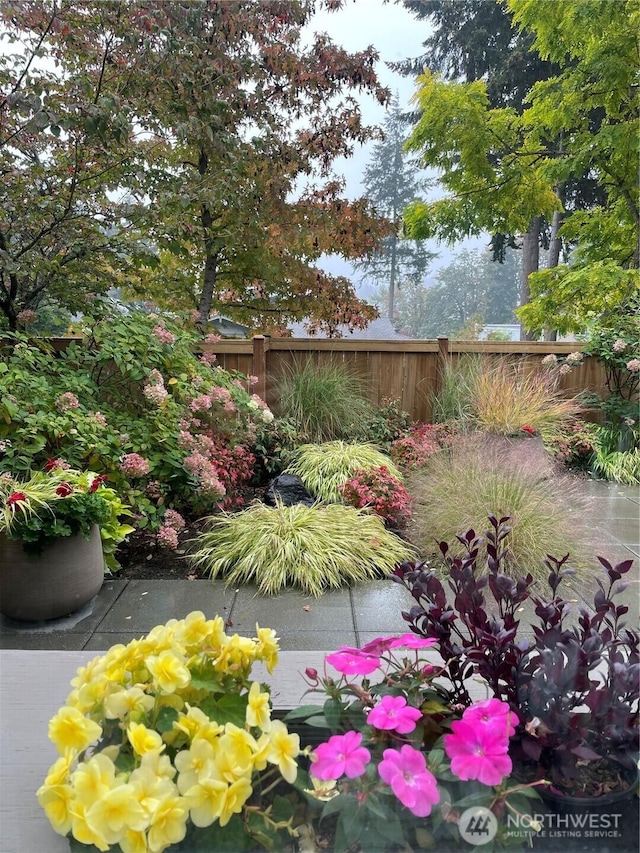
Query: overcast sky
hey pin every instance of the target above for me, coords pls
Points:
(396, 34)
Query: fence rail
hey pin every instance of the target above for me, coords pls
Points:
(408, 371)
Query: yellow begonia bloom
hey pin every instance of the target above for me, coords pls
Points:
(81, 830)
(93, 778)
(234, 756)
(134, 842)
(144, 740)
(205, 801)
(168, 824)
(284, 748)
(263, 748)
(56, 801)
(196, 724)
(193, 629)
(90, 696)
(70, 729)
(59, 771)
(267, 647)
(236, 655)
(127, 702)
(85, 674)
(160, 765)
(115, 812)
(258, 708)
(168, 671)
(194, 763)
(235, 797)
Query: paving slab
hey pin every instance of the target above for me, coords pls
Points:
(147, 603)
(57, 641)
(293, 613)
(82, 622)
(378, 607)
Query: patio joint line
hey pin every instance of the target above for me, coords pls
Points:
(353, 617)
(106, 613)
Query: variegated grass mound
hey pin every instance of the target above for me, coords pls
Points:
(311, 548)
(323, 468)
(478, 475)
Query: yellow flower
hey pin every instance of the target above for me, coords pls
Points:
(149, 789)
(284, 748)
(56, 801)
(235, 797)
(70, 729)
(127, 702)
(168, 671)
(194, 763)
(193, 629)
(160, 765)
(234, 755)
(196, 724)
(205, 801)
(169, 823)
(144, 740)
(93, 778)
(134, 842)
(81, 830)
(263, 748)
(59, 771)
(90, 696)
(115, 812)
(258, 708)
(267, 647)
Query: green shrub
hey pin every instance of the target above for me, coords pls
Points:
(131, 400)
(326, 402)
(454, 400)
(477, 476)
(616, 454)
(324, 468)
(312, 548)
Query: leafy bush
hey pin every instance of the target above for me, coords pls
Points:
(476, 475)
(572, 444)
(313, 548)
(414, 449)
(326, 402)
(616, 454)
(389, 423)
(383, 494)
(324, 468)
(131, 400)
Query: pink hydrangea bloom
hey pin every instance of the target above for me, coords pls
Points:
(173, 519)
(155, 394)
(209, 358)
(134, 465)
(163, 335)
(393, 714)
(619, 345)
(26, 317)
(406, 772)
(67, 401)
(492, 713)
(341, 755)
(99, 418)
(168, 536)
(353, 662)
(633, 366)
(477, 752)
(212, 338)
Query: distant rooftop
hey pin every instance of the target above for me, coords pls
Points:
(377, 330)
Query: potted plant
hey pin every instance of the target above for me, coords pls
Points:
(573, 684)
(168, 743)
(59, 529)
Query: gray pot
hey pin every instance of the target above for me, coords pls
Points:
(64, 578)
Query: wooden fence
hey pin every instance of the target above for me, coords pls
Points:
(408, 371)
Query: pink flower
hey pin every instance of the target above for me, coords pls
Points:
(26, 317)
(173, 519)
(163, 336)
(134, 465)
(477, 752)
(212, 338)
(99, 418)
(168, 536)
(633, 366)
(406, 772)
(492, 713)
(341, 755)
(412, 641)
(529, 430)
(155, 394)
(64, 490)
(51, 464)
(67, 401)
(352, 661)
(393, 714)
(209, 358)
(619, 345)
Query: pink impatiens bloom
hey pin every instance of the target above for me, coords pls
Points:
(353, 661)
(477, 752)
(341, 755)
(492, 713)
(393, 714)
(406, 772)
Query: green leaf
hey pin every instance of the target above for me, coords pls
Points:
(166, 718)
(333, 711)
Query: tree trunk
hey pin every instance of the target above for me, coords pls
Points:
(555, 244)
(208, 287)
(392, 280)
(530, 263)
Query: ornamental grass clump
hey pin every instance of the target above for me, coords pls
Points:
(325, 468)
(169, 741)
(324, 401)
(312, 548)
(481, 474)
(402, 759)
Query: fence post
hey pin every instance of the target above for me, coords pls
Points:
(260, 347)
(441, 365)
